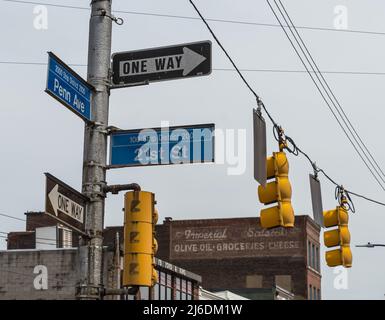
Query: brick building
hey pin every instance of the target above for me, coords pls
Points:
(43, 263)
(233, 254)
(238, 255)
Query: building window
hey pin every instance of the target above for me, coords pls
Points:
(317, 258)
(184, 290)
(169, 287)
(310, 292)
(315, 294)
(313, 256)
(155, 291)
(177, 289)
(162, 284)
(189, 291)
(319, 294)
(144, 293)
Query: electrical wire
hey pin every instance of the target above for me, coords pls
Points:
(295, 149)
(4, 232)
(48, 243)
(230, 59)
(221, 69)
(327, 93)
(364, 32)
(328, 90)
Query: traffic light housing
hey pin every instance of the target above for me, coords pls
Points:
(140, 245)
(277, 191)
(339, 236)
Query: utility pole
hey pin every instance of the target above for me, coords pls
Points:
(95, 149)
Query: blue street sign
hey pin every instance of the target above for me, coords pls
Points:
(66, 86)
(162, 146)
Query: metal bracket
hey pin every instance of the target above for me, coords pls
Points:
(103, 13)
(87, 291)
(94, 164)
(112, 129)
(115, 189)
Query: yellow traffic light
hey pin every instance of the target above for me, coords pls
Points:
(139, 240)
(339, 236)
(278, 191)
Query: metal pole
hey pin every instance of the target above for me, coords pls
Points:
(95, 147)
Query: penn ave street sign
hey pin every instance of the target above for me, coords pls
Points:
(64, 202)
(162, 63)
(162, 146)
(67, 87)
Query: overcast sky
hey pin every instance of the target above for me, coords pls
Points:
(39, 135)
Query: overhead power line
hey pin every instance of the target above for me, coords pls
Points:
(346, 72)
(269, 25)
(38, 238)
(320, 81)
(295, 149)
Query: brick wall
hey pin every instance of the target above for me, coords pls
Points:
(17, 275)
(237, 253)
(18, 280)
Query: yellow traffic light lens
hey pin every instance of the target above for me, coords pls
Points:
(268, 194)
(332, 238)
(333, 258)
(277, 216)
(270, 218)
(275, 191)
(339, 236)
(338, 257)
(338, 216)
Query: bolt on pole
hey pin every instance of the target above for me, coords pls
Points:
(95, 148)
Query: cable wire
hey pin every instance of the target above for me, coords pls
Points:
(364, 32)
(4, 232)
(327, 93)
(221, 69)
(295, 149)
(333, 95)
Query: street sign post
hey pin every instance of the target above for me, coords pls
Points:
(160, 64)
(64, 202)
(162, 146)
(66, 86)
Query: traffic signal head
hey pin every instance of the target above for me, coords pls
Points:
(140, 244)
(277, 191)
(339, 236)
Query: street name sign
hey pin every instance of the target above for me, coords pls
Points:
(64, 202)
(66, 86)
(162, 63)
(162, 146)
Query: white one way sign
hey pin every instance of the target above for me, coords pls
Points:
(186, 62)
(64, 202)
(61, 203)
(164, 63)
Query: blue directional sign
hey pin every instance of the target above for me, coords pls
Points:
(66, 86)
(162, 146)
